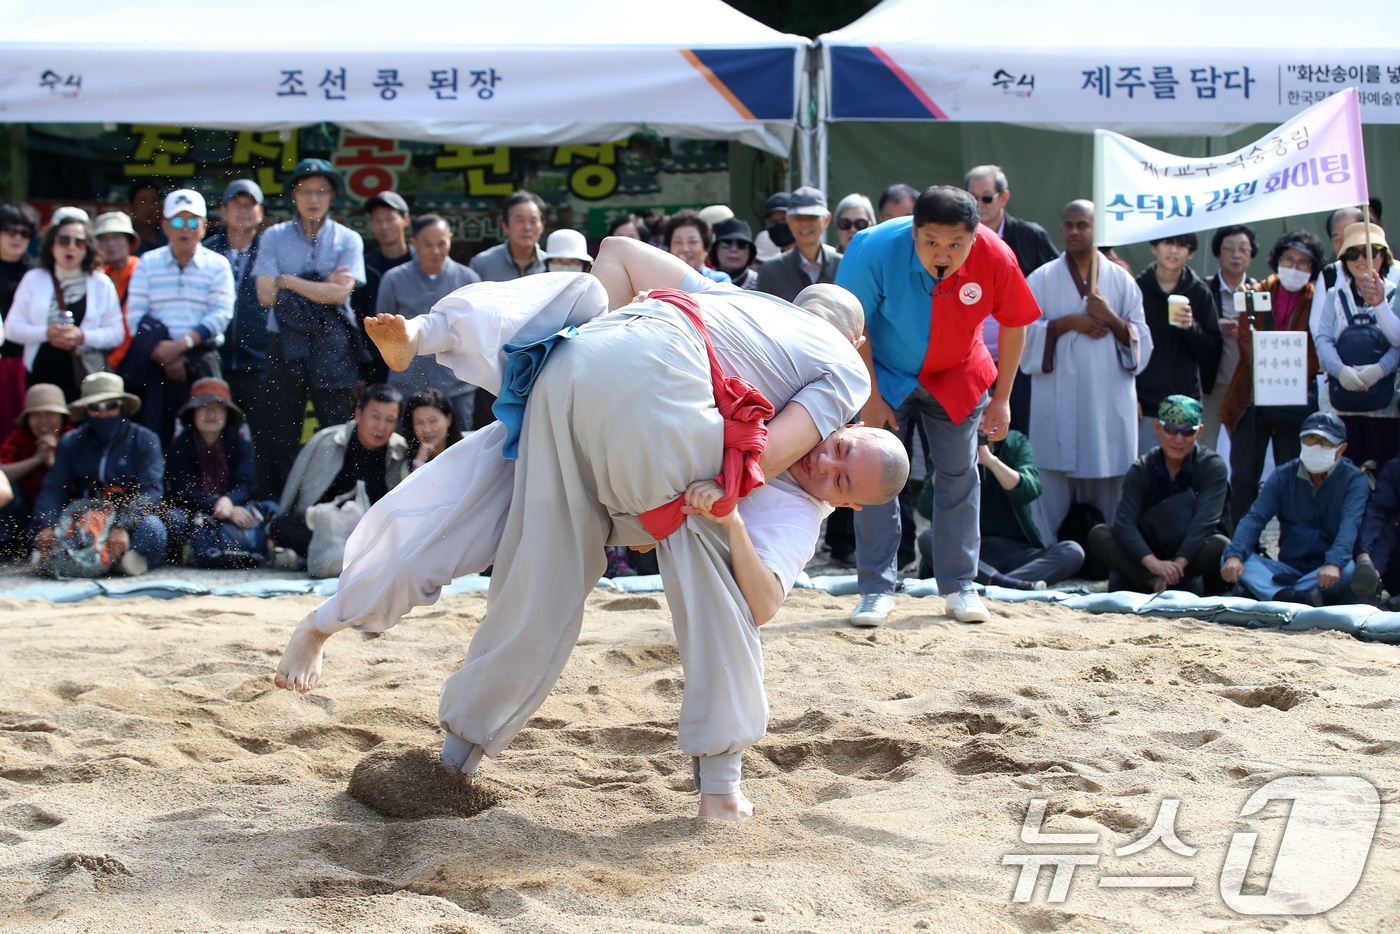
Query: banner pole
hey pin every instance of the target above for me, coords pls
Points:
(1366, 215)
(1094, 272)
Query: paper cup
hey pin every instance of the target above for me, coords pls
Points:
(1179, 311)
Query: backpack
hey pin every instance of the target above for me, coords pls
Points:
(80, 541)
(1361, 343)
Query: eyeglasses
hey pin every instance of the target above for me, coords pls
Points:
(1317, 441)
(987, 199)
(97, 408)
(1289, 263)
(315, 192)
(65, 240)
(180, 223)
(1181, 431)
(24, 232)
(732, 244)
(847, 223)
(1356, 252)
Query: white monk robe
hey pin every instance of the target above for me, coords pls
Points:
(1084, 418)
(469, 507)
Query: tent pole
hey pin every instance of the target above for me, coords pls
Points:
(822, 123)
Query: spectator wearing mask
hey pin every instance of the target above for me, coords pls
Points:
(733, 252)
(108, 457)
(143, 199)
(305, 271)
(1296, 260)
(853, 214)
(243, 353)
(522, 222)
(178, 307)
(1319, 500)
(1173, 519)
(25, 458)
(897, 201)
(775, 238)
(1185, 338)
(567, 251)
(17, 229)
(430, 427)
(412, 289)
(1353, 349)
(1234, 248)
(812, 261)
(209, 480)
(1013, 553)
(366, 448)
(116, 238)
(63, 307)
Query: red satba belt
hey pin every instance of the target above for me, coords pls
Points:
(745, 436)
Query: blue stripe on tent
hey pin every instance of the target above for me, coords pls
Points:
(864, 88)
(762, 79)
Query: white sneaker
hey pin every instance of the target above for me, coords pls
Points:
(132, 564)
(286, 559)
(966, 606)
(872, 609)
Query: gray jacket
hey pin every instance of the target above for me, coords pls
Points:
(320, 461)
(784, 277)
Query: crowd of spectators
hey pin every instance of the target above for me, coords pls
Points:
(176, 375)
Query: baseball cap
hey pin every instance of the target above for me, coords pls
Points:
(387, 199)
(243, 186)
(715, 213)
(808, 200)
(60, 215)
(1325, 425)
(185, 199)
(776, 202)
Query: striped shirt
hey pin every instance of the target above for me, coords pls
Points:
(198, 297)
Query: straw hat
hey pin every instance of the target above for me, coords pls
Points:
(103, 387)
(1355, 235)
(43, 397)
(207, 390)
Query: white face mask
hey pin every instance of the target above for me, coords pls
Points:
(1293, 280)
(1318, 459)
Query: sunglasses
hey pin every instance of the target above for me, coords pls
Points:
(987, 199)
(1356, 252)
(24, 232)
(182, 222)
(733, 244)
(65, 240)
(1181, 431)
(847, 223)
(111, 405)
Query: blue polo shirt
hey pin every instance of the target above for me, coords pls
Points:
(287, 250)
(902, 302)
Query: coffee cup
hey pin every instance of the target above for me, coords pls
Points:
(1179, 311)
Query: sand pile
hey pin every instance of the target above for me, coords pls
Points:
(153, 779)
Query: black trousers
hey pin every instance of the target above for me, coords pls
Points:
(290, 531)
(1248, 443)
(1105, 547)
(286, 390)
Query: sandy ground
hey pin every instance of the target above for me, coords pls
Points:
(152, 779)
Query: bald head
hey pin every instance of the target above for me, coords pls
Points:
(1077, 229)
(854, 467)
(836, 306)
(1079, 206)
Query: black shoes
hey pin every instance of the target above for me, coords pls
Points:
(1310, 597)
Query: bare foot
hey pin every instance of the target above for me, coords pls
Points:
(733, 807)
(396, 337)
(300, 668)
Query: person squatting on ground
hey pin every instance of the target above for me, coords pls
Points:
(599, 456)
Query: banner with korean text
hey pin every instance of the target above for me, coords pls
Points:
(1312, 163)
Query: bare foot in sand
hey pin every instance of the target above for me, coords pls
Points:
(396, 337)
(733, 807)
(301, 662)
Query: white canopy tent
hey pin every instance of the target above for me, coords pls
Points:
(529, 72)
(1194, 68)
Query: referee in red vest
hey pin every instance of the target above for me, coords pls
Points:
(927, 284)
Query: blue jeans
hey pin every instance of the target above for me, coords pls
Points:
(957, 502)
(1259, 574)
(149, 538)
(211, 541)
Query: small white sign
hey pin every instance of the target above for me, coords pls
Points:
(1280, 367)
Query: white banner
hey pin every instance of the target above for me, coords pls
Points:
(1280, 367)
(1312, 163)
